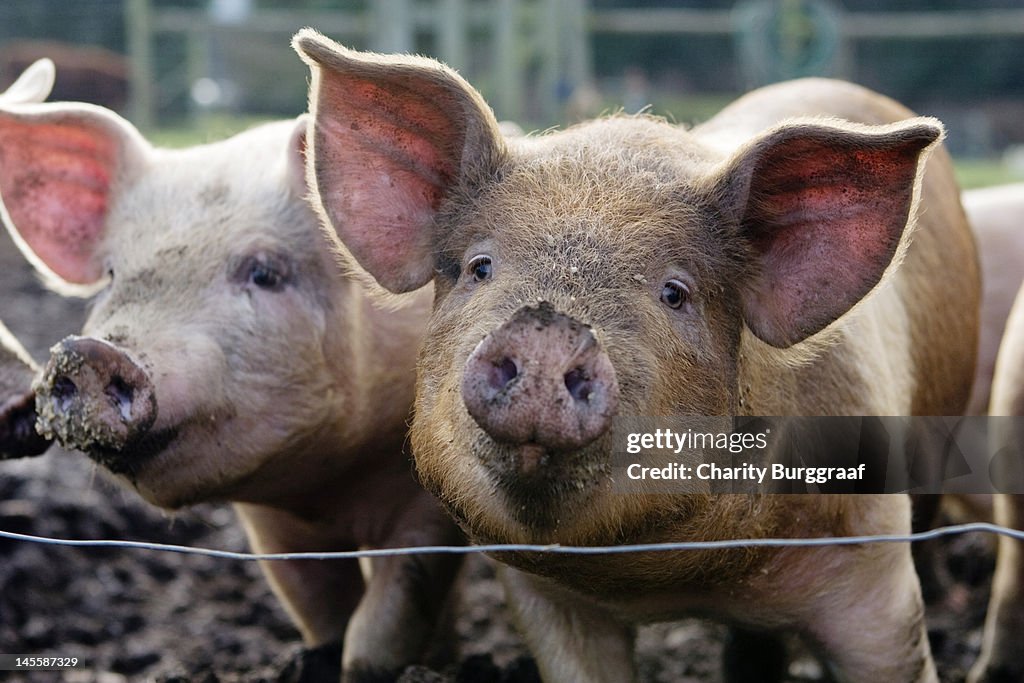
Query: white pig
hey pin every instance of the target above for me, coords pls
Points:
(232, 354)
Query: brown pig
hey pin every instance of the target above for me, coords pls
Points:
(996, 215)
(758, 264)
(1000, 656)
(232, 354)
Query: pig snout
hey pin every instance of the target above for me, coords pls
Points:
(541, 378)
(93, 396)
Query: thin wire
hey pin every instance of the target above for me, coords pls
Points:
(519, 547)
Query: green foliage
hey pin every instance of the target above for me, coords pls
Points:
(982, 173)
(209, 128)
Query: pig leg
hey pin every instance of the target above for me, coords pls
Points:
(393, 626)
(1000, 653)
(320, 596)
(873, 629)
(405, 597)
(572, 640)
(753, 656)
(385, 626)
(1000, 658)
(404, 603)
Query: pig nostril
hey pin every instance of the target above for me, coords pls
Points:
(64, 392)
(578, 384)
(503, 373)
(121, 395)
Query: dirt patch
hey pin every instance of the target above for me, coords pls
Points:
(140, 615)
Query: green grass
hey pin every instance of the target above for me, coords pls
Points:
(209, 128)
(981, 173)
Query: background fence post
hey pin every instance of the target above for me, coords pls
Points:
(508, 85)
(392, 26)
(452, 29)
(139, 29)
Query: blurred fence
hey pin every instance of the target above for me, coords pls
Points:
(521, 53)
(543, 62)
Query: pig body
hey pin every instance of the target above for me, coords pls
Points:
(628, 267)
(1000, 657)
(996, 215)
(232, 354)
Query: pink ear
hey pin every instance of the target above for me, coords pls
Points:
(391, 137)
(825, 208)
(58, 164)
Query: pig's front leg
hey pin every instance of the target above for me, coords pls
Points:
(869, 622)
(572, 639)
(405, 597)
(1000, 658)
(1000, 654)
(320, 596)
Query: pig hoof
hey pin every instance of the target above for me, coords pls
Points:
(995, 674)
(310, 665)
(365, 673)
(751, 656)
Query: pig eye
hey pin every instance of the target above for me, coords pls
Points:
(264, 271)
(480, 268)
(265, 277)
(675, 294)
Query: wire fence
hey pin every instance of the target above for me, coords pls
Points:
(952, 530)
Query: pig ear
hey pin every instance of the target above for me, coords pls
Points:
(824, 208)
(33, 85)
(296, 157)
(391, 136)
(60, 165)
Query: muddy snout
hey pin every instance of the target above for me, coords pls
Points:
(541, 378)
(93, 396)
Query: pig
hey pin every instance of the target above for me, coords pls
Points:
(87, 72)
(18, 436)
(996, 215)
(233, 354)
(34, 84)
(758, 264)
(1000, 658)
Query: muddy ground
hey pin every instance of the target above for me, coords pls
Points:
(133, 615)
